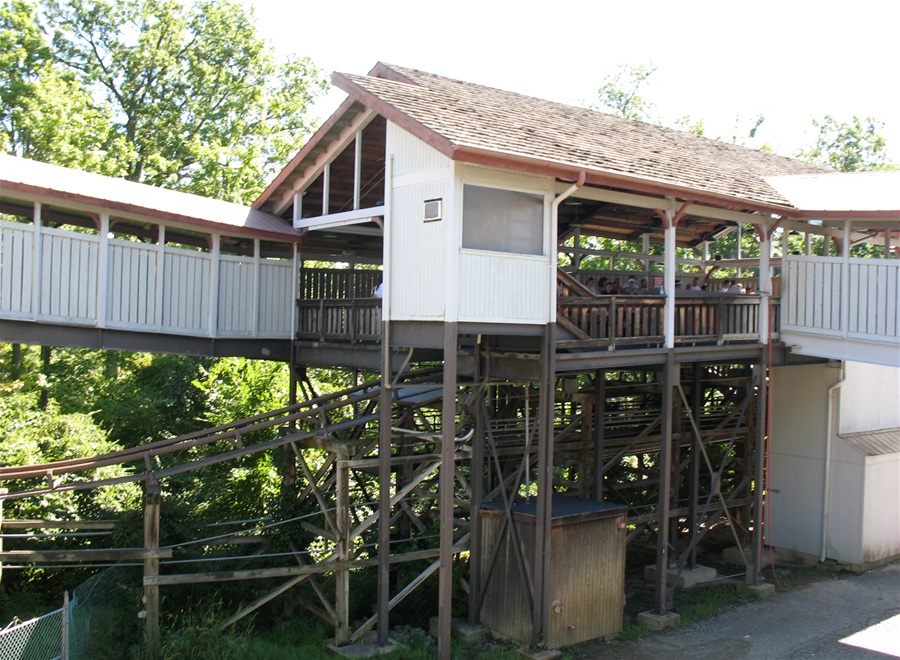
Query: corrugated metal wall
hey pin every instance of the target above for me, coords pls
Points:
(587, 579)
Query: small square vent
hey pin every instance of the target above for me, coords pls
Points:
(434, 210)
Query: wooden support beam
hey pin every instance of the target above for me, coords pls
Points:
(87, 556)
(152, 498)
(56, 524)
(342, 577)
(541, 611)
(670, 378)
(384, 484)
(446, 487)
(754, 569)
(320, 568)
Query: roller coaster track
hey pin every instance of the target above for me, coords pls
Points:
(222, 443)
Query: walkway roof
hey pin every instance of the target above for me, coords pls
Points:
(128, 197)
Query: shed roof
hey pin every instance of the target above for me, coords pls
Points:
(474, 123)
(875, 443)
(842, 191)
(24, 175)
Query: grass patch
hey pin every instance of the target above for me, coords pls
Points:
(704, 602)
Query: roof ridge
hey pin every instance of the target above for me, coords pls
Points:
(404, 72)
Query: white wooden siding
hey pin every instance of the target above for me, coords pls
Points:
(185, 291)
(275, 295)
(53, 276)
(814, 293)
(882, 503)
(131, 304)
(69, 280)
(16, 254)
(417, 287)
(411, 155)
(503, 288)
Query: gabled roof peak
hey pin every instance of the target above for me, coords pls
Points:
(467, 121)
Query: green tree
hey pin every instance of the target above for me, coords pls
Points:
(848, 146)
(195, 99)
(619, 92)
(45, 113)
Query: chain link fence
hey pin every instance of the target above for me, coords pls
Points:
(37, 639)
(98, 610)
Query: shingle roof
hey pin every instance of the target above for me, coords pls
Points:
(454, 116)
(138, 198)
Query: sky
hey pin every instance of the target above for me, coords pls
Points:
(725, 62)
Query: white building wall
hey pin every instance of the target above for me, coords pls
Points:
(845, 509)
(503, 287)
(863, 511)
(881, 512)
(415, 276)
(870, 398)
(796, 484)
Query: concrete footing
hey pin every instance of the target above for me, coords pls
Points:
(650, 620)
(464, 632)
(763, 590)
(687, 578)
(538, 654)
(367, 647)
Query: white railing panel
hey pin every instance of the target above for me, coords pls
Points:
(131, 301)
(276, 288)
(16, 271)
(237, 297)
(873, 299)
(814, 291)
(69, 265)
(185, 292)
(813, 297)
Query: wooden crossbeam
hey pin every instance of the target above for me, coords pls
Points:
(52, 556)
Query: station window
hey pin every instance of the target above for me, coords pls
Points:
(502, 220)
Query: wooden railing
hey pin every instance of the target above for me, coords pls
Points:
(613, 321)
(347, 319)
(70, 278)
(335, 283)
(638, 320)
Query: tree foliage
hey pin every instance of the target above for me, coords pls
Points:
(45, 112)
(619, 92)
(848, 146)
(155, 91)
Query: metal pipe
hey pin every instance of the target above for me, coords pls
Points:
(826, 489)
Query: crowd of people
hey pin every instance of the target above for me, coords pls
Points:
(612, 287)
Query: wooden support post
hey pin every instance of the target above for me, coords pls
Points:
(599, 431)
(669, 283)
(384, 486)
(446, 483)
(754, 570)
(66, 624)
(670, 377)
(152, 498)
(477, 482)
(544, 513)
(342, 576)
(3, 491)
(696, 448)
